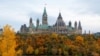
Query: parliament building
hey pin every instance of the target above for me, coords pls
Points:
(59, 27)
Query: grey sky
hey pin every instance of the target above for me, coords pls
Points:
(18, 12)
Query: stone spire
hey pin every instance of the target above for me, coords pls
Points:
(30, 20)
(70, 23)
(37, 24)
(30, 23)
(44, 17)
(79, 26)
(44, 13)
(75, 25)
(59, 17)
(31, 26)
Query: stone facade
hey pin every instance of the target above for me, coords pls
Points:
(59, 27)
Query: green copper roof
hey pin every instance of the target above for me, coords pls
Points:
(43, 27)
(33, 26)
(70, 28)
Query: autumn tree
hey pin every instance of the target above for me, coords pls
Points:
(8, 42)
(0, 45)
(29, 49)
(54, 35)
(79, 39)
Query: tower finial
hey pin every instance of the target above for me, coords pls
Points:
(45, 4)
(59, 17)
(44, 17)
(45, 13)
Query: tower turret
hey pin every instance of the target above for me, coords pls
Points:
(37, 24)
(75, 25)
(70, 23)
(79, 28)
(31, 26)
(44, 17)
(30, 22)
(59, 17)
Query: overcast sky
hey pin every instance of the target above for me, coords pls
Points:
(18, 12)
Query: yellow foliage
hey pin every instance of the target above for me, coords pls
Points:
(29, 49)
(36, 51)
(54, 35)
(68, 42)
(79, 39)
(8, 42)
(97, 46)
(19, 52)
